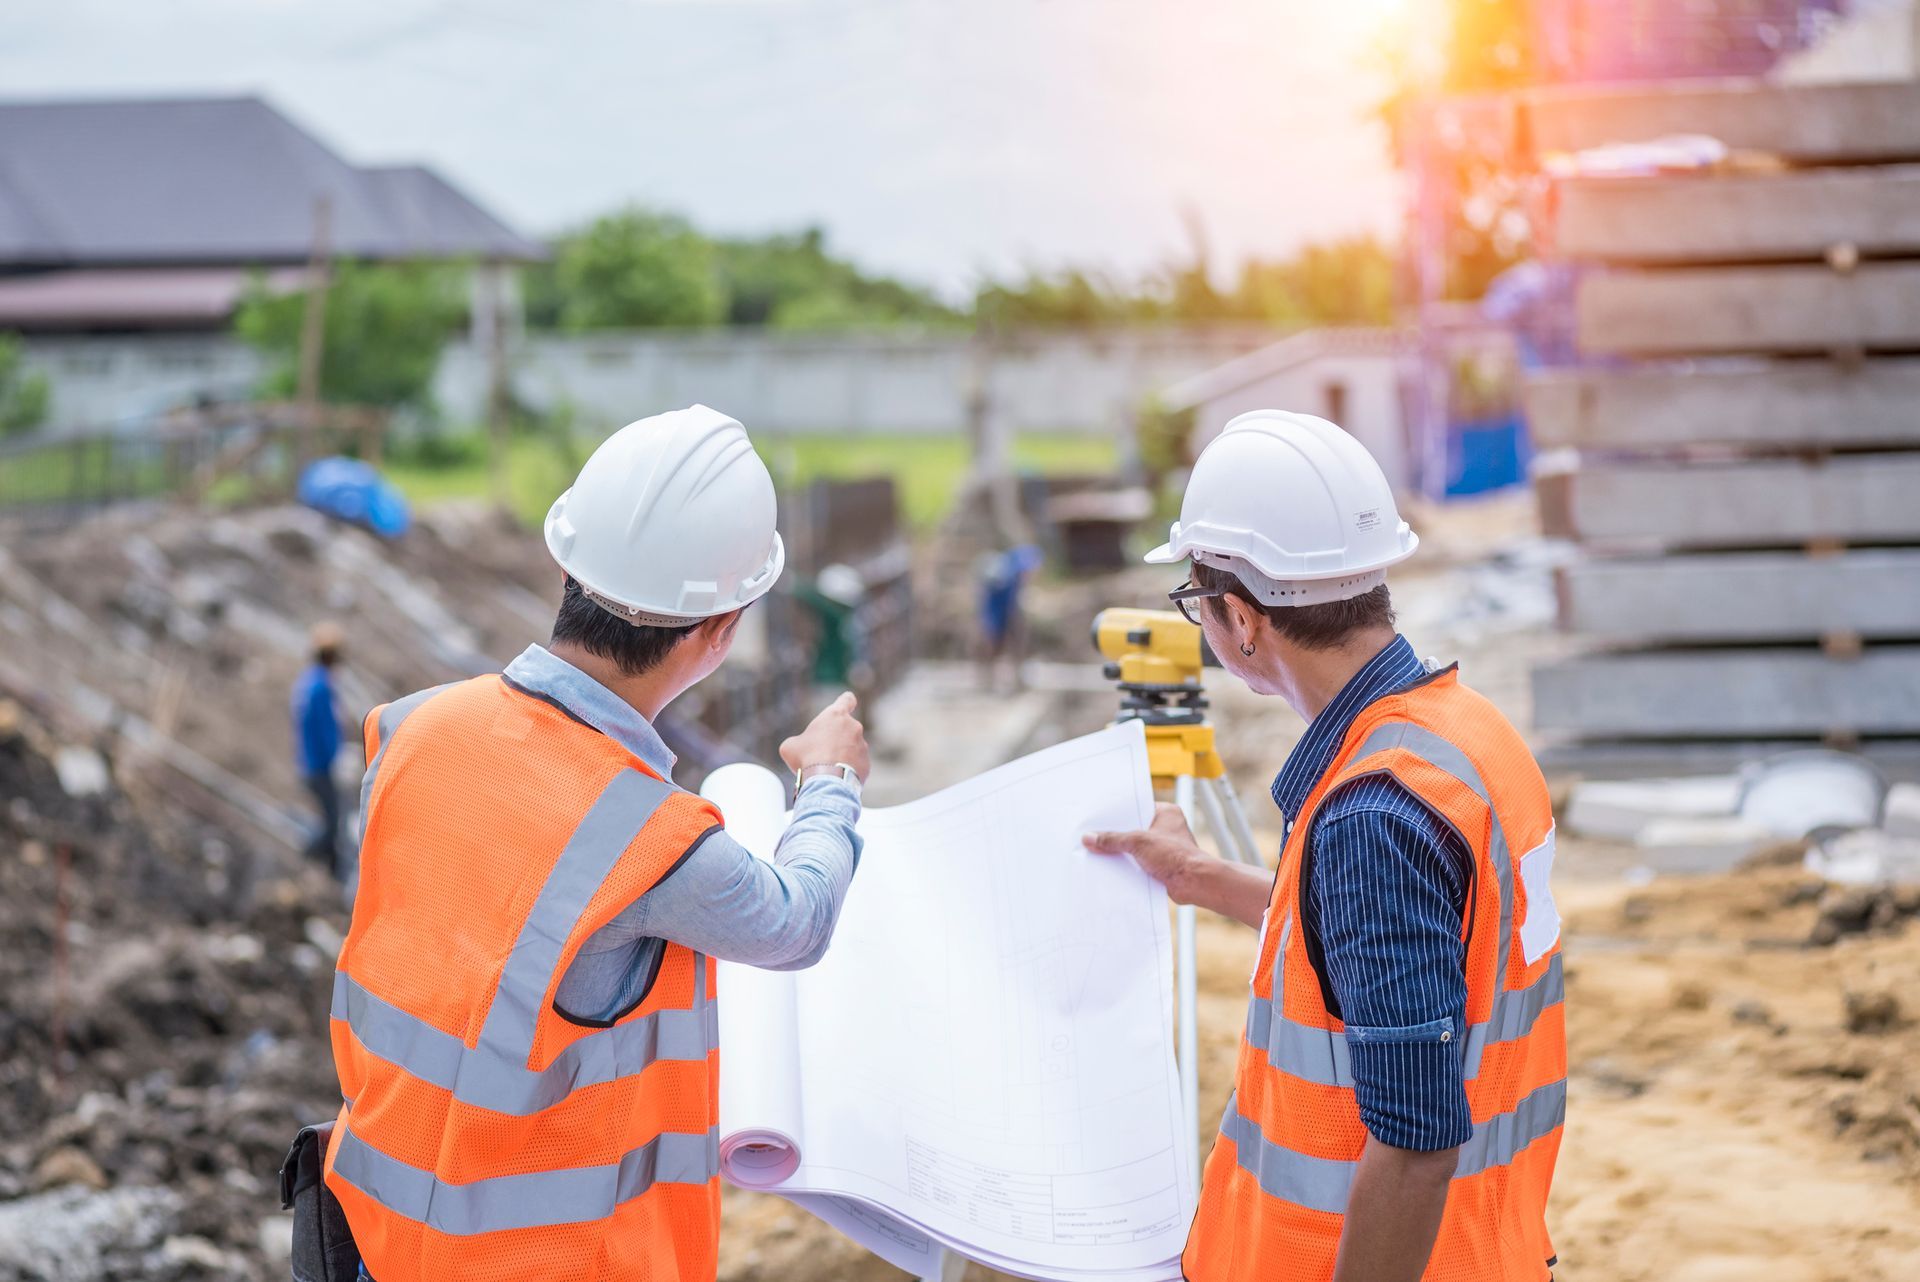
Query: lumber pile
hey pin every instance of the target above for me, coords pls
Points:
(1740, 460)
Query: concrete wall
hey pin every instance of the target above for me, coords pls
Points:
(859, 383)
(105, 382)
(774, 383)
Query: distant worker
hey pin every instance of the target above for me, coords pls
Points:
(1401, 1082)
(833, 599)
(316, 732)
(1003, 625)
(524, 1015)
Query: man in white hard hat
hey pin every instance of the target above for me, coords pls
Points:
(523, 1015)
(1401, 1082)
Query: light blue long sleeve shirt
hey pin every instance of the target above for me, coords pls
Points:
(722, 901)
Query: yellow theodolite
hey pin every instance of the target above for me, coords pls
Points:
(1155, 657)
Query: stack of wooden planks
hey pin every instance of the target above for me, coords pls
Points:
(1741, 460)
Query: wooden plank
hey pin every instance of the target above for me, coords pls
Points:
(1749, 596)
(1739, 217)
(1865, 498)
(1730, 694)
(1758, 404)
(1708, 310)
(1803, 123)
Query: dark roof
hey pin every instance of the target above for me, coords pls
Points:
(213, 181)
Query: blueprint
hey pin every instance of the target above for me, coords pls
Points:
(984, 1059)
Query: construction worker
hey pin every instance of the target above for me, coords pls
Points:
(316, 727)
(524, 1016)
(1401, 1080)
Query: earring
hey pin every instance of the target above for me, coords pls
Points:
(1246, 648)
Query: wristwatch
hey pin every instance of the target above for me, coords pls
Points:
(848, 775)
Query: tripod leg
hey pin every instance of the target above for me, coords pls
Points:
(1186, 965)
(1208, 792)
(1243, 839)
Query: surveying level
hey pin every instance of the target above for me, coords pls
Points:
(1155, 657)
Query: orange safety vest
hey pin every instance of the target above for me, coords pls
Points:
(1274, 1197)
(485, 1135)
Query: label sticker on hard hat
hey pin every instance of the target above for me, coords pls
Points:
(1367, 520)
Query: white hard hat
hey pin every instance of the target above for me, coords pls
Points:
(1292, 506)
(671, 521)
(841, 583)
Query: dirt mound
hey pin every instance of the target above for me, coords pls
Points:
(1744, 1091)
(154, 1076)
(176, 634)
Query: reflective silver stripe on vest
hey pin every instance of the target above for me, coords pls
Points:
(494, 1074)
(610, 825)
(485, 1081)
(1299, 1050)
(542, 1199)
(1317, 1183)
(1323, 1184)
(1500, 1139)
(390, 718)
(1321, 1057)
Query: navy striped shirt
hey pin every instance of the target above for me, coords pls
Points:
(1384, 889)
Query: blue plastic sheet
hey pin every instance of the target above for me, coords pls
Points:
(350, 490)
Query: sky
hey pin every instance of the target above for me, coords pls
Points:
(940, 140)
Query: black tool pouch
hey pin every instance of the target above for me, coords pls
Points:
(323, 1249)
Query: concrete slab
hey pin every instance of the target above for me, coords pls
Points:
(1753, 404)
(1709, 310)
(1804, 123)
(1731, 694)
(1852, 498)
(1744, 596)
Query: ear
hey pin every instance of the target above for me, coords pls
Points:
(718, 630)
(1242, 619)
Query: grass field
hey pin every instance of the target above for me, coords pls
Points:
(928, 469)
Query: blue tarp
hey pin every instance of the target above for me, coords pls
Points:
(1488, 454)
(353, 491)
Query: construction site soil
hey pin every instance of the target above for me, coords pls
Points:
(1744, 1094)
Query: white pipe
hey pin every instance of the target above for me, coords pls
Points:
(1189, 1029)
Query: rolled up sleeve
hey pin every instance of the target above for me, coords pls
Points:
(1388, 886)
(724, 902)
(779, 915)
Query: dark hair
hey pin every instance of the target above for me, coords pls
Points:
(1311, 627)
(633, 648)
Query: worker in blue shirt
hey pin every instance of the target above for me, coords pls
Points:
(1403, 942)
(316, 734)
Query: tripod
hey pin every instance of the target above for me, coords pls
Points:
(1182, 758)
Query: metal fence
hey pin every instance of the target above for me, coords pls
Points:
(226, 453)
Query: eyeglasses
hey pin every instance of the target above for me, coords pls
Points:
(1184, 596)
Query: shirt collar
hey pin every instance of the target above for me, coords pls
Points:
(1392, 670)
(544, 673)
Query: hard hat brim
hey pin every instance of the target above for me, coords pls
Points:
(1163, 555)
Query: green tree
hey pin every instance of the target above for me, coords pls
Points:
(1339, 282)
(791, 281)
(23, 392)
(385, 327)
(634, 268)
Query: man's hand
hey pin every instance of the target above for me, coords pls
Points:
(1169, 854)
(833, 736)
(1166, 851)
